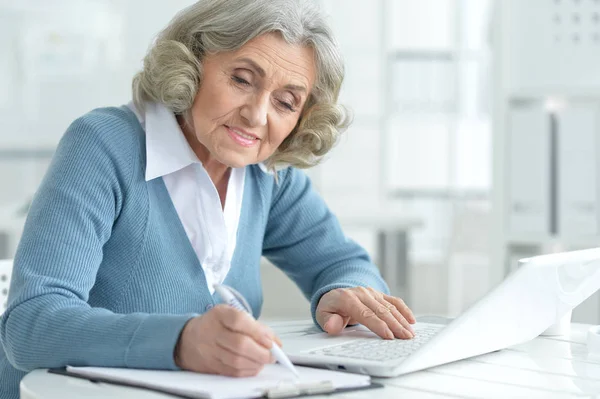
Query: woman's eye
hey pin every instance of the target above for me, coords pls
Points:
(287, 105)
(241, 81)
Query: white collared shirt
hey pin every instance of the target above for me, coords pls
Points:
(211, 229)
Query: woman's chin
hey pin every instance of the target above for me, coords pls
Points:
(236, 162)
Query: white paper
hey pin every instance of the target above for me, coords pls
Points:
(197, 385)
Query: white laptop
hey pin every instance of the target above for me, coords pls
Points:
(524, 305)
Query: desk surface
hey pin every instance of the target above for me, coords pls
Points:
(547, 367)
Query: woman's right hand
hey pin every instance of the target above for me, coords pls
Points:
(225, 341)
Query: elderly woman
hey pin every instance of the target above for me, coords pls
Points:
(146, 206)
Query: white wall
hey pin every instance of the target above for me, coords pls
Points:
(64, 59)
(48, 78)
(398, 142)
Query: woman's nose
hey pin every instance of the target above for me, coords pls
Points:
(256, 109)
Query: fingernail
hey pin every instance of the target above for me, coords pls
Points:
(390, 334)
(267, 340)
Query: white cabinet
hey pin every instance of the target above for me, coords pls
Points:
(554, 45)
(529, 172)
(546, 129)
(578, 128)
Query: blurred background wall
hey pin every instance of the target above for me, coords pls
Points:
(451, 169)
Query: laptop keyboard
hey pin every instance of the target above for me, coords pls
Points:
(380, 349)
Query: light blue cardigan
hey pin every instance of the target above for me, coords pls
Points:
(105, 275)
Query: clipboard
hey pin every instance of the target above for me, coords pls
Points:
(286, 390)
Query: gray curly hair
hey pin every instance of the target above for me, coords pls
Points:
(172, 70)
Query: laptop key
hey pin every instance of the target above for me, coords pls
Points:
(379, 349)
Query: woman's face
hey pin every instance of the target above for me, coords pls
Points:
(249, 100)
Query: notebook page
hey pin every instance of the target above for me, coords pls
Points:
(195, 385)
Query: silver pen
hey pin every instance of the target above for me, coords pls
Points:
(237, 301)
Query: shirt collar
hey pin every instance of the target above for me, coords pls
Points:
(167, 149)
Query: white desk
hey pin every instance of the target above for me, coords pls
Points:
(557, 367)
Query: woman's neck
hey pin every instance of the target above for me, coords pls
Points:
(216, 170)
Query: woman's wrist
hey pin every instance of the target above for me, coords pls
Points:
(177, 349)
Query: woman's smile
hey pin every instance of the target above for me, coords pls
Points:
(242, 137)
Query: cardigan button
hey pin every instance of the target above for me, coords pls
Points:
(209, 307)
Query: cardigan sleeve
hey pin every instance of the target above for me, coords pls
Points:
(304, 239)
(48, 322)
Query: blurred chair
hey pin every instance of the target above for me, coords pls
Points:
(5, 273)
(283, 300)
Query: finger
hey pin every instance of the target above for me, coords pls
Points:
(276, 341)
(225, 369)
(334, 323)
(236, 361)
(242, 323)
(244, 346)
(398, 316)
(384, 312)
(274, 337)
(363, 314)
(379, 296)
(402, 307)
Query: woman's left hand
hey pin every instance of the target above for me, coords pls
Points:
(385, 315)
